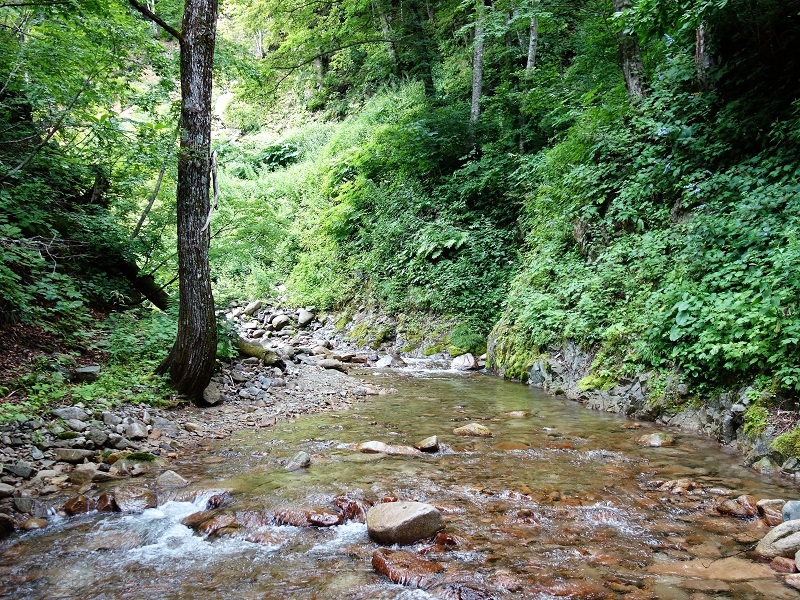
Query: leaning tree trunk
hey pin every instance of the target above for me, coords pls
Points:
(533, 42)
(190, 363)
(477, 71)
(631, 56)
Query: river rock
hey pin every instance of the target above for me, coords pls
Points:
(464, 362)
(390, 360)
(135, 499)
(33, 524)
(783, 540)
(301, 460)
(330, 363)
(136, 430)
(429, 444)
(731, 568)
(212, 395)
(559, 588)
(308, 518)
(375, 447)
(6, 526)
(473, 429)
(791, 510)
(111, 419)
(783, 564)
(405, 568)
(76, 425)
(403, 522)
(304, 317)
(280, 321)
(656, 440)
(21, 469)
(83, 474)
(70, 412)
(6, 491)
(73, 455)
(78, 505)
(251, 308)
(171, 480)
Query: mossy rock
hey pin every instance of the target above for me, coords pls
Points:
(787, 444)
(67, 435)
(596, 382)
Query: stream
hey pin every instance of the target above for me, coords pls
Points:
(559, 502)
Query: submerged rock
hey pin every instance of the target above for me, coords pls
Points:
(473, 429)
(135, 499)
(403, 522)
(375, 447)
(656, 440)
(405, 568)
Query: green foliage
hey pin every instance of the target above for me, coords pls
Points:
(756, 419)
(788, 444)
(465, 339)
(600, 382)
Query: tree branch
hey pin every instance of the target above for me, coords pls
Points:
(148, 14)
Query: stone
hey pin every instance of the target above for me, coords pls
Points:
(6, 491)
(308, 518)
(429, 444)
(83, 474)
(301, 460)
(76, 425)
(252, 307)
(21, 469)
(280, 321)
(330, 363)
(304, 317)
(731, 568)
(31, 507)
(6, 526)
(771, 517)
(86, 374)
(465, 362)
(782, 540)
(135, 499)
(403, 522)
(766, 466)
(136, 430)
(73, 455)
(70, 412)
(473, 429)
(212, 395)
(791, 510)
(792, 581)
(97, 436)
(78, 505)
(783, 564)
(390, 360)
(171, 480)
(111, 419)
(656, 440)
(192, 427)
(33, 524)
(559, 588)
(405, 568)
(375, 447)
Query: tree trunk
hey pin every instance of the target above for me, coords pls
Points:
(477, 65)
(702, 57)
(258, 44)
(190, 363)
(631, 56)
(533, 42)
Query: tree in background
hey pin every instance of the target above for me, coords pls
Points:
(190, 363)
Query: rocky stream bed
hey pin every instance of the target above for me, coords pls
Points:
(451, 497)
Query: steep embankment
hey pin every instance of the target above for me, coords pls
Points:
(661, 273)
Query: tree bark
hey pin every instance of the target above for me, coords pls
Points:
(631, 57)
(702, 56)
(477, 65)
(533, 42)
(191, 361)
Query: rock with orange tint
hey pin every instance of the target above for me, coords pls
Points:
(307, 518)
(506, 580)
(194, 520)
(78, 505)
(731, 568)
(405, 568)
(351, 510)
(135, 499)
(218, 521)
(783, 564)
(579, 590)
(473, 429)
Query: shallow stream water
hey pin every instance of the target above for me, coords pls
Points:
(560, 501)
